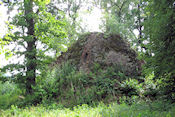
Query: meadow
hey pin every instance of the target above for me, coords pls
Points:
(102, 110)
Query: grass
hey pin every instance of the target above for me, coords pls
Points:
(113, 110)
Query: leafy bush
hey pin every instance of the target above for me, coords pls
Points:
(98, 85)
(9, 94)
(45, 90)
(76, 86)
(150, 87)
(130, 87)
(70, 87)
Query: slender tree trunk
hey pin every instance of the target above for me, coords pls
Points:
(30, 55)
(139, 20)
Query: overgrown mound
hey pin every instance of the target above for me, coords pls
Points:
(97, 67)
(105, 50)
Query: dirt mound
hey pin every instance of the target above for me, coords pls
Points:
(105, 50)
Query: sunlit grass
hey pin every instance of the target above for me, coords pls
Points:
(101, 110)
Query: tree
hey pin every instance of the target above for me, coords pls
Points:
(124, 17)
(159, 30)
(120, 16)
(33, 25)
(30, 54)
(71, 10)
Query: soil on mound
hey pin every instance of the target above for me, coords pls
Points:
(105, 50)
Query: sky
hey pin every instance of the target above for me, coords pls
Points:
(90, 20)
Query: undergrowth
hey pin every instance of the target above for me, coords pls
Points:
(102, 110)
(9, 94)
(70, 87)
(68, 92)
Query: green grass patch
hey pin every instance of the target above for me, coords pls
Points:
(102, 110)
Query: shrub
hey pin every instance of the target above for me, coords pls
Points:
(150, 87)
(71, 87)
(130, 87)
(45, 90)
(9, 94)
(99, 85)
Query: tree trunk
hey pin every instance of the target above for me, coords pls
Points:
(139, 21)
(30, 55)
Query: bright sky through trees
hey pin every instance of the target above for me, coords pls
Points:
(90, 20)
(3, 18)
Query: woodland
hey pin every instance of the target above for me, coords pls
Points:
(42, 30)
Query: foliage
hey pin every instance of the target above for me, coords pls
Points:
(71, 10)
(43, 23)
(131, 87)
(9, 94)
(82, 88)
(150, 88)
(121, 17)
(159, 29)
(112, 110)
(36, 33)
(3, 42)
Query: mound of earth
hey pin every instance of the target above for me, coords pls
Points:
(105, 50)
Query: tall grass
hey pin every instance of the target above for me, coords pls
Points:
(113, 110)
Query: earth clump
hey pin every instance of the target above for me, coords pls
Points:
(104, 50)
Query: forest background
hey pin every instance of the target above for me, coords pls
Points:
(41, 30)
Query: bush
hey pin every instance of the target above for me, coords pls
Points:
(130, 87)
(70, 87)
(45, 90)
(9, 94)
(150, 88)
(73, 86)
